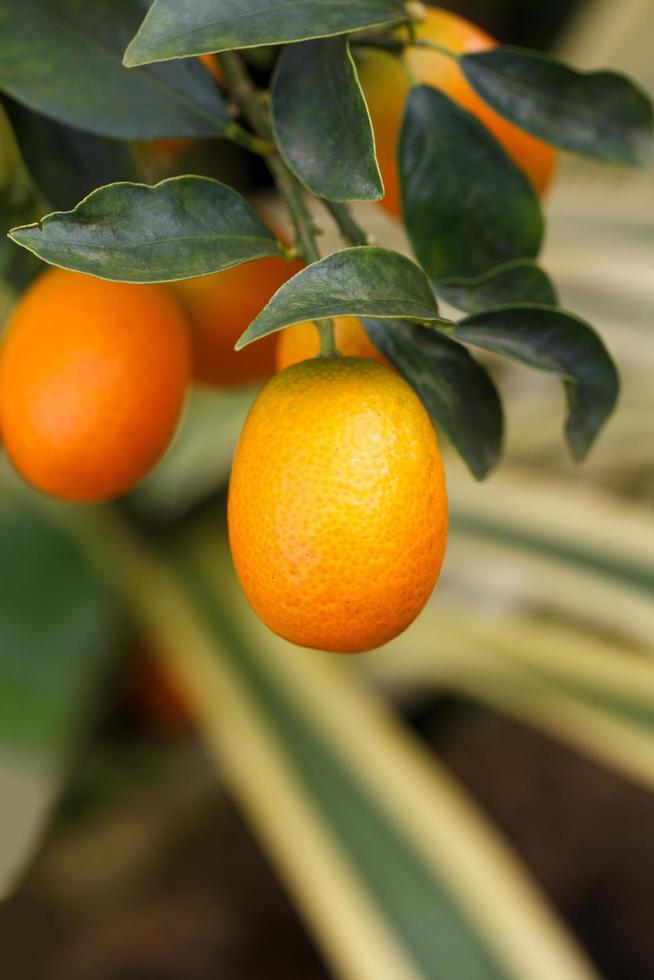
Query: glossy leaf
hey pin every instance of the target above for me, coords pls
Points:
(456, 391)
(64, 59)
(180, 228)
(467, 207)
(75, 162)
(554, 341)
(601, 114)
(520, 281)
(321, 121)
(363, 281)
(175, 30)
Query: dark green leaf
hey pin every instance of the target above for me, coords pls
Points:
(180, 228)
(467, 206)
(601, 114)
(321, 121)
(520, 281)
(58, 629)
(551, 340)
(56, 626)
(456, 391)
(75, 162)
(64, 58)
(363, 281)
(176, 30)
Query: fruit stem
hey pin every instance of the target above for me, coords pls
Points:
(248, 98)
(327, 339)
(350, 229)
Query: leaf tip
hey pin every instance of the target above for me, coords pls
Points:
(131, 58)
(16, 234)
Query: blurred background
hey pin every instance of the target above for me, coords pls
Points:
(153, 851)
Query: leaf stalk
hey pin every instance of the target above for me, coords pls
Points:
(245, 94)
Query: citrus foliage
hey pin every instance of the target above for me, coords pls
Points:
(468, 206)
(463, 168)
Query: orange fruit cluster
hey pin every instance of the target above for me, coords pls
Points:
(385, 84)
(337, 504)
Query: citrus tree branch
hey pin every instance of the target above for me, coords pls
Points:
(350, 229)
(248, 98)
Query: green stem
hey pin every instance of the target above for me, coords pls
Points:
(423, 42)
(328, 346)
(350, 229)
(394, 44)
(236, 134)
(290, 190)
(248, 98)
(397, 45)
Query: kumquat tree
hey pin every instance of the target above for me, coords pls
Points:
(268, 266)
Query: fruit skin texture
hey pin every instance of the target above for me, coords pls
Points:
(386, 87)
(93, 377)
(219, 307)
(337, 505)
(302, 341)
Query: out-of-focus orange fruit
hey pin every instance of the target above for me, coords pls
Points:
(301, 342)
(386, 86)
(93, 377)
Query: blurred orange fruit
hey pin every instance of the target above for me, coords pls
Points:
(211, 63)
(93, 376)
(302, 341)
(157, 697)
(386, 86)
(219, 307)
(337, 504)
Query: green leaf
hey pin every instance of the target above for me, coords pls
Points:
(180, 228)
(175, 30)
(321, 121)
(58, 626)
(456, 391)
(520, 281)
(362, 281)
(467, 206)
(75, 162)
(552, 340)
(55, 621)
(601, 114)
(406, 878)
(63, 58)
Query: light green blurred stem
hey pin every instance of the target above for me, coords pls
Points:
(399, 875)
